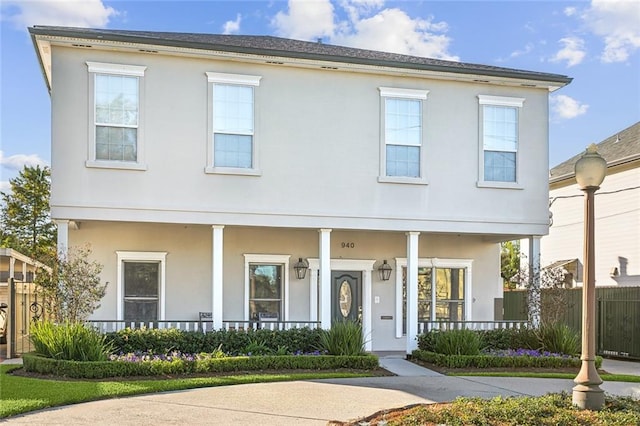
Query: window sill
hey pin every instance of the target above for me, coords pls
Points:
(232, 171)
(404, 180)
(498, 185)
(121, 165)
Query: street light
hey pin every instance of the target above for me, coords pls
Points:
(591, 169)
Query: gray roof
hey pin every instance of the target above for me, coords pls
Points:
(619, 148)
(282, 47)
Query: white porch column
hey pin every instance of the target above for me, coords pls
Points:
(313, 294)
(217, 262)
(412, 291)
(534, 280)
(63, 236)
(366, 309)
(325, 278)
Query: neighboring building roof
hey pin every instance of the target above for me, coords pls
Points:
(619, 148)
(296, 49)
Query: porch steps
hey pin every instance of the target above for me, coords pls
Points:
(396, 363)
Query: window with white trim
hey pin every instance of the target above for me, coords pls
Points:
(141, 285)
(116, 116)
(451, 279)
(232, 123)
(402, 153)
(499, 118)
(266, 287)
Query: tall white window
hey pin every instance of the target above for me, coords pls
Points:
(116, 137)
(141, 285)
(444, 291)
(500, 134)
(266, 287)
(232, 101)
(402, 135)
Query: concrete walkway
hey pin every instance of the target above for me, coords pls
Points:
(306, 402)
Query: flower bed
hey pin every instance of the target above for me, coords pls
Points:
(155, 365)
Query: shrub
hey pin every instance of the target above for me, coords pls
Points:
(457, 342)
(427, 341)
(232, 342)
(344, 338)
(69, 341)
(558, 337)
(509, 338)
(490, 361)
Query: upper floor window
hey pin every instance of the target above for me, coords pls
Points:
(499, 138)
(232, 115)
(116, 116)
(402, 152)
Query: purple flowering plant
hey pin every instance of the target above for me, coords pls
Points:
(535, 353)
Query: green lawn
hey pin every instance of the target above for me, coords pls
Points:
(21, 394)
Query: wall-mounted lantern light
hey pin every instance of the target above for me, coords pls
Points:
(385, 271)
(301, 267)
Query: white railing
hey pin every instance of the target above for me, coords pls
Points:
(107, 326)
(427, 326)
(269, 325)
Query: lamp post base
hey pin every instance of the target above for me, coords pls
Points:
(588, 397)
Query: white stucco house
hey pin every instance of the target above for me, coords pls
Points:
(202, 168)
(617, 215)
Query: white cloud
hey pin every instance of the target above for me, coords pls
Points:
(18, 161)
(232, 27)
(573, 51)
(565, 107)
(71, 13)
(5, 186)
(305, 20)
(366, 26)
(570, 11)
(527, 49)
(618, 23)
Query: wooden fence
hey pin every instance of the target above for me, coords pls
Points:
(617, 316)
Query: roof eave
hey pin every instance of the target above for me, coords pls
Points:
(556, 81)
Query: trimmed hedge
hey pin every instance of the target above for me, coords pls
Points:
(104, 369)
(489, 361)
(232, 342)
(499, 339)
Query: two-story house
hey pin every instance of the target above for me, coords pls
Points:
(617, 215)
(210, 172)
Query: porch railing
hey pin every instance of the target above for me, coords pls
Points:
(205, 325)
(426, 326)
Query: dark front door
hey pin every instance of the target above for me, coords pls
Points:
(346, 296)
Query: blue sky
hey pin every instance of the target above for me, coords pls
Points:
(596, 42)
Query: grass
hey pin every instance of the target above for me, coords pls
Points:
(606, 377)
(23, 394)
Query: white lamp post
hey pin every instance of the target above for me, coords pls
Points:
(591, 169)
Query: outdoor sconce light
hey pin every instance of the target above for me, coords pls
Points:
(385, 271)
(301, 267)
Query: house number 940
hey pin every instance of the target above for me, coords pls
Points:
(348, 245)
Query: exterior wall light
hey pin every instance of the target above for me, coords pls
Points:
(301, 267)
(385, 271)
(591, 169)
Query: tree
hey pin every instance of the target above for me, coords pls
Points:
(73, 290)
(547, 300)
(25, 215)
(509, 262)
